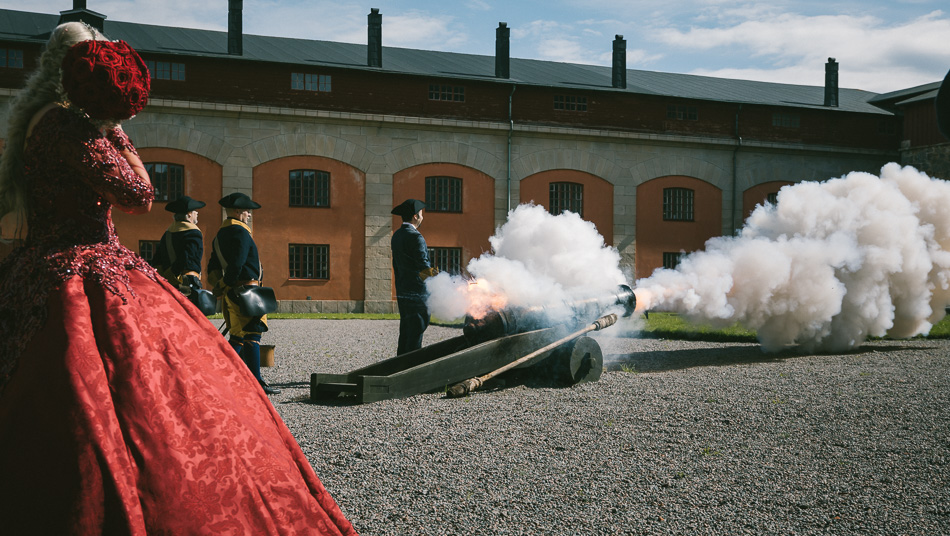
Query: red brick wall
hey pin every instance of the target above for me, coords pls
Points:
(202, 181)
(469, 230)
(276, 225)
(758, 194)
(655, 236)
(598, 196)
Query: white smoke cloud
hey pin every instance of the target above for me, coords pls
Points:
(828, 266)
(537, 259)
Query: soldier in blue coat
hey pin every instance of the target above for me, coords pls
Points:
(178, 255)
(236, 262)
(411, 268)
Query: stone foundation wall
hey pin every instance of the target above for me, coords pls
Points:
(934, 160)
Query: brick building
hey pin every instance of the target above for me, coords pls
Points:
(329, 136)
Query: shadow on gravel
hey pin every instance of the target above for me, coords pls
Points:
(667, 360)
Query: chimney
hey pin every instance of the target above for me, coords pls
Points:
(235, 30)
(374, 40)
(502, 51)
(79, 13)
(620, 62)
(831, 83)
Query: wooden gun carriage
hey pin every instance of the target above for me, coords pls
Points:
(486, 344)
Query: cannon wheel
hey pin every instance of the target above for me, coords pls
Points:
(586, 362)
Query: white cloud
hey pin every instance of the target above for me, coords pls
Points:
(873, 54)
(478, 5)
(420, 30)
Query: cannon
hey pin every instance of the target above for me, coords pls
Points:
(547, 338)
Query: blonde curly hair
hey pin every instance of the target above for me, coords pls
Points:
(44, 86)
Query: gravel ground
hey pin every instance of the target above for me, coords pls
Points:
(677, 437)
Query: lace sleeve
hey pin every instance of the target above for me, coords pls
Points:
(109, 173)
(120, 140)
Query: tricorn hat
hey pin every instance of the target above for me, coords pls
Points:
(943, 106)
(407, 208)
(184, 205)
(238, 200)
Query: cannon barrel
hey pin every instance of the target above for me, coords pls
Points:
(510, 320)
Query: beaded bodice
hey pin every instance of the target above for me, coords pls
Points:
(72, 171)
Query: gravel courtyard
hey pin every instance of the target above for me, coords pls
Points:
(677, 437)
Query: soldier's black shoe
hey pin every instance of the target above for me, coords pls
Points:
(268, 389)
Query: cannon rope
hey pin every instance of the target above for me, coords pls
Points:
(473, 384)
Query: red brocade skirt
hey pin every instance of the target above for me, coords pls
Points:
(139, 418)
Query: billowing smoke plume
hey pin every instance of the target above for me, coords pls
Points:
(537, 260)
(827, 266)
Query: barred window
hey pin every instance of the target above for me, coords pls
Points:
(682, 113)
(168, 180)
(566, 196)
(772, 198)
(443, 194)
(309, 261)
(309, 188)
(165, 70)
(446, 93)
(678, 204)
(671, 260)
(446, 259)
(311, 82)
(570, 103)
(147, 249)
(11, 57)
(785, 120)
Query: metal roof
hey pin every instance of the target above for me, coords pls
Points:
(26, 26)
(929, 95)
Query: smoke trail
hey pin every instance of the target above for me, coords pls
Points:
(537, 259)
(829, 265)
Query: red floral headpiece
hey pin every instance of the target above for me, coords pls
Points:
(107, 79)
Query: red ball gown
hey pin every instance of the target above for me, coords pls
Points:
(122, 409)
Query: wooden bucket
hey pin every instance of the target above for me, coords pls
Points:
(267, 355)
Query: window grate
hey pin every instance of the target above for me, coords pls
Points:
(309, 188)
(11, 57)
(309, 261)
(168, 180)
(165, 70)
(671, 260)
(570, 103)
(311, 82)
(147, 249)
(446, 259)
(682, 113)
(566, 196)
(444, 194)
(442, 92)
(677, 204)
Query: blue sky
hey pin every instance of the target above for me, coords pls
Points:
(880, 45)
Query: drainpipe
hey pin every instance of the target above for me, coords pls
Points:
(735, 172)
(511, 128)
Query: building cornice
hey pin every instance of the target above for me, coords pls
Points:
(502, 127)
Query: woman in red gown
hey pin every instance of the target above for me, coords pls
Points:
(122, 409)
